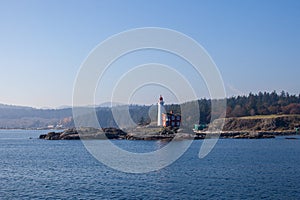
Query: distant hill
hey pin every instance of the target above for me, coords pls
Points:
(28, 117)
(239, 106)
(13, 106)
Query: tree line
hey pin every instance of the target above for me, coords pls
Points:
(263, 103)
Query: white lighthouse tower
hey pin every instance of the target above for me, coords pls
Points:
(160, 108)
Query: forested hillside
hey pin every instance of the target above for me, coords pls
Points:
(250, 105)
(238, 106)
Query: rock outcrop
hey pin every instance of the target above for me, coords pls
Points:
(85, 133)
(253, 127)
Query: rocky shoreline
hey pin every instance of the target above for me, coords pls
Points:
(250, 127)
(157, 134)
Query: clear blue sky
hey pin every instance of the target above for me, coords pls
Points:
(255, 44)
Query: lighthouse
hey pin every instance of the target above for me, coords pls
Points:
(160, 106)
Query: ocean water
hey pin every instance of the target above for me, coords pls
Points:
(235, 169)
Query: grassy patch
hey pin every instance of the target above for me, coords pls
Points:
(266, 116)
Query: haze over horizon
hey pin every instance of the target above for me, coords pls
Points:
(255, 45)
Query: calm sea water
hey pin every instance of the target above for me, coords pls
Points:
(235, 169)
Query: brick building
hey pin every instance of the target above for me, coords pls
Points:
(170, 119)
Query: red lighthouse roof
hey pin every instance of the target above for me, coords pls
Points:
(161, 98)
